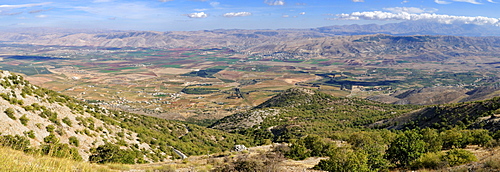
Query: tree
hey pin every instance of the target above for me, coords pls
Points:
(406, 148)
(345, 160)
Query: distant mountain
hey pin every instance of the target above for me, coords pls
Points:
(438, 95)
(34, 118)
(406, 41)
(412, 28)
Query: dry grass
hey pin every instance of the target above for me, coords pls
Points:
(18, 161)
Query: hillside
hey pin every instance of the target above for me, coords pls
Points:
(473, 115)
(297, 112)
(438, 95)
(34, 119)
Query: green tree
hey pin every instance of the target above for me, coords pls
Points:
(433, 142)
(345, 160)
(406, 148)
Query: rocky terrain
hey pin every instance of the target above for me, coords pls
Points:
(46, 117)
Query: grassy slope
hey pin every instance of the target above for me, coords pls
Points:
(13, 160)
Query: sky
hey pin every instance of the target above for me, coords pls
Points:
(192, 15)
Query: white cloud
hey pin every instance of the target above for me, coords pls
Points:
(197, 15)
(214, 4)
(41, 16)
(238, 14)
(24, 5)
(203, 9)
(358, 0)
(410, 10)
(446, 19)
(99, 1)
(405, 1)
(469, 1)
(274, 2)
(492, 1)
(302, 13)
(441, 2)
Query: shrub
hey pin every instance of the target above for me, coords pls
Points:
(458, 157)
(24, 120)
(345, 160)
(10, 113)
(50, 128)
(430, 160)
(67, 121)
(74, 141)
(30, 134)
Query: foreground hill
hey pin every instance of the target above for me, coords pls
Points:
(297, 112)
(37, 119)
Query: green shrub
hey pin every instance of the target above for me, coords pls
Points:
(430, 160)
(30, 134)
(74, 141)
(345, 160)
(50, 128)
(10, 113)
(24, 120)
(67, 121)
(456, 157)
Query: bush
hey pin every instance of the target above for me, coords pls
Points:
(456, 157)
(67, 121)
(74, 141)
(50, 128)
(345, 160)
(430, 160)
(24, 120)
(10, 113)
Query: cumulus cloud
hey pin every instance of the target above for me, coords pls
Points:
(24, 5)
(446, 19)
(238, 14)
(441, 2)
(410, 10)
(197, 15)
(358, 0)
(275, 2)
(302, 13)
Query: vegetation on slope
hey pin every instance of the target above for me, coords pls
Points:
(319, 125)
(66, 127)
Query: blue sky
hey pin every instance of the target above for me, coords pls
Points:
(178, 15)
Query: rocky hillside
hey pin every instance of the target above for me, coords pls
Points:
(298, 111)
(44, 117)
(438, 95)
(473, 115)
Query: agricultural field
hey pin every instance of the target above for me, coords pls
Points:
(203, 84)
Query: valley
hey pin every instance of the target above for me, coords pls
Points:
(202, 84)
(323, 101)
